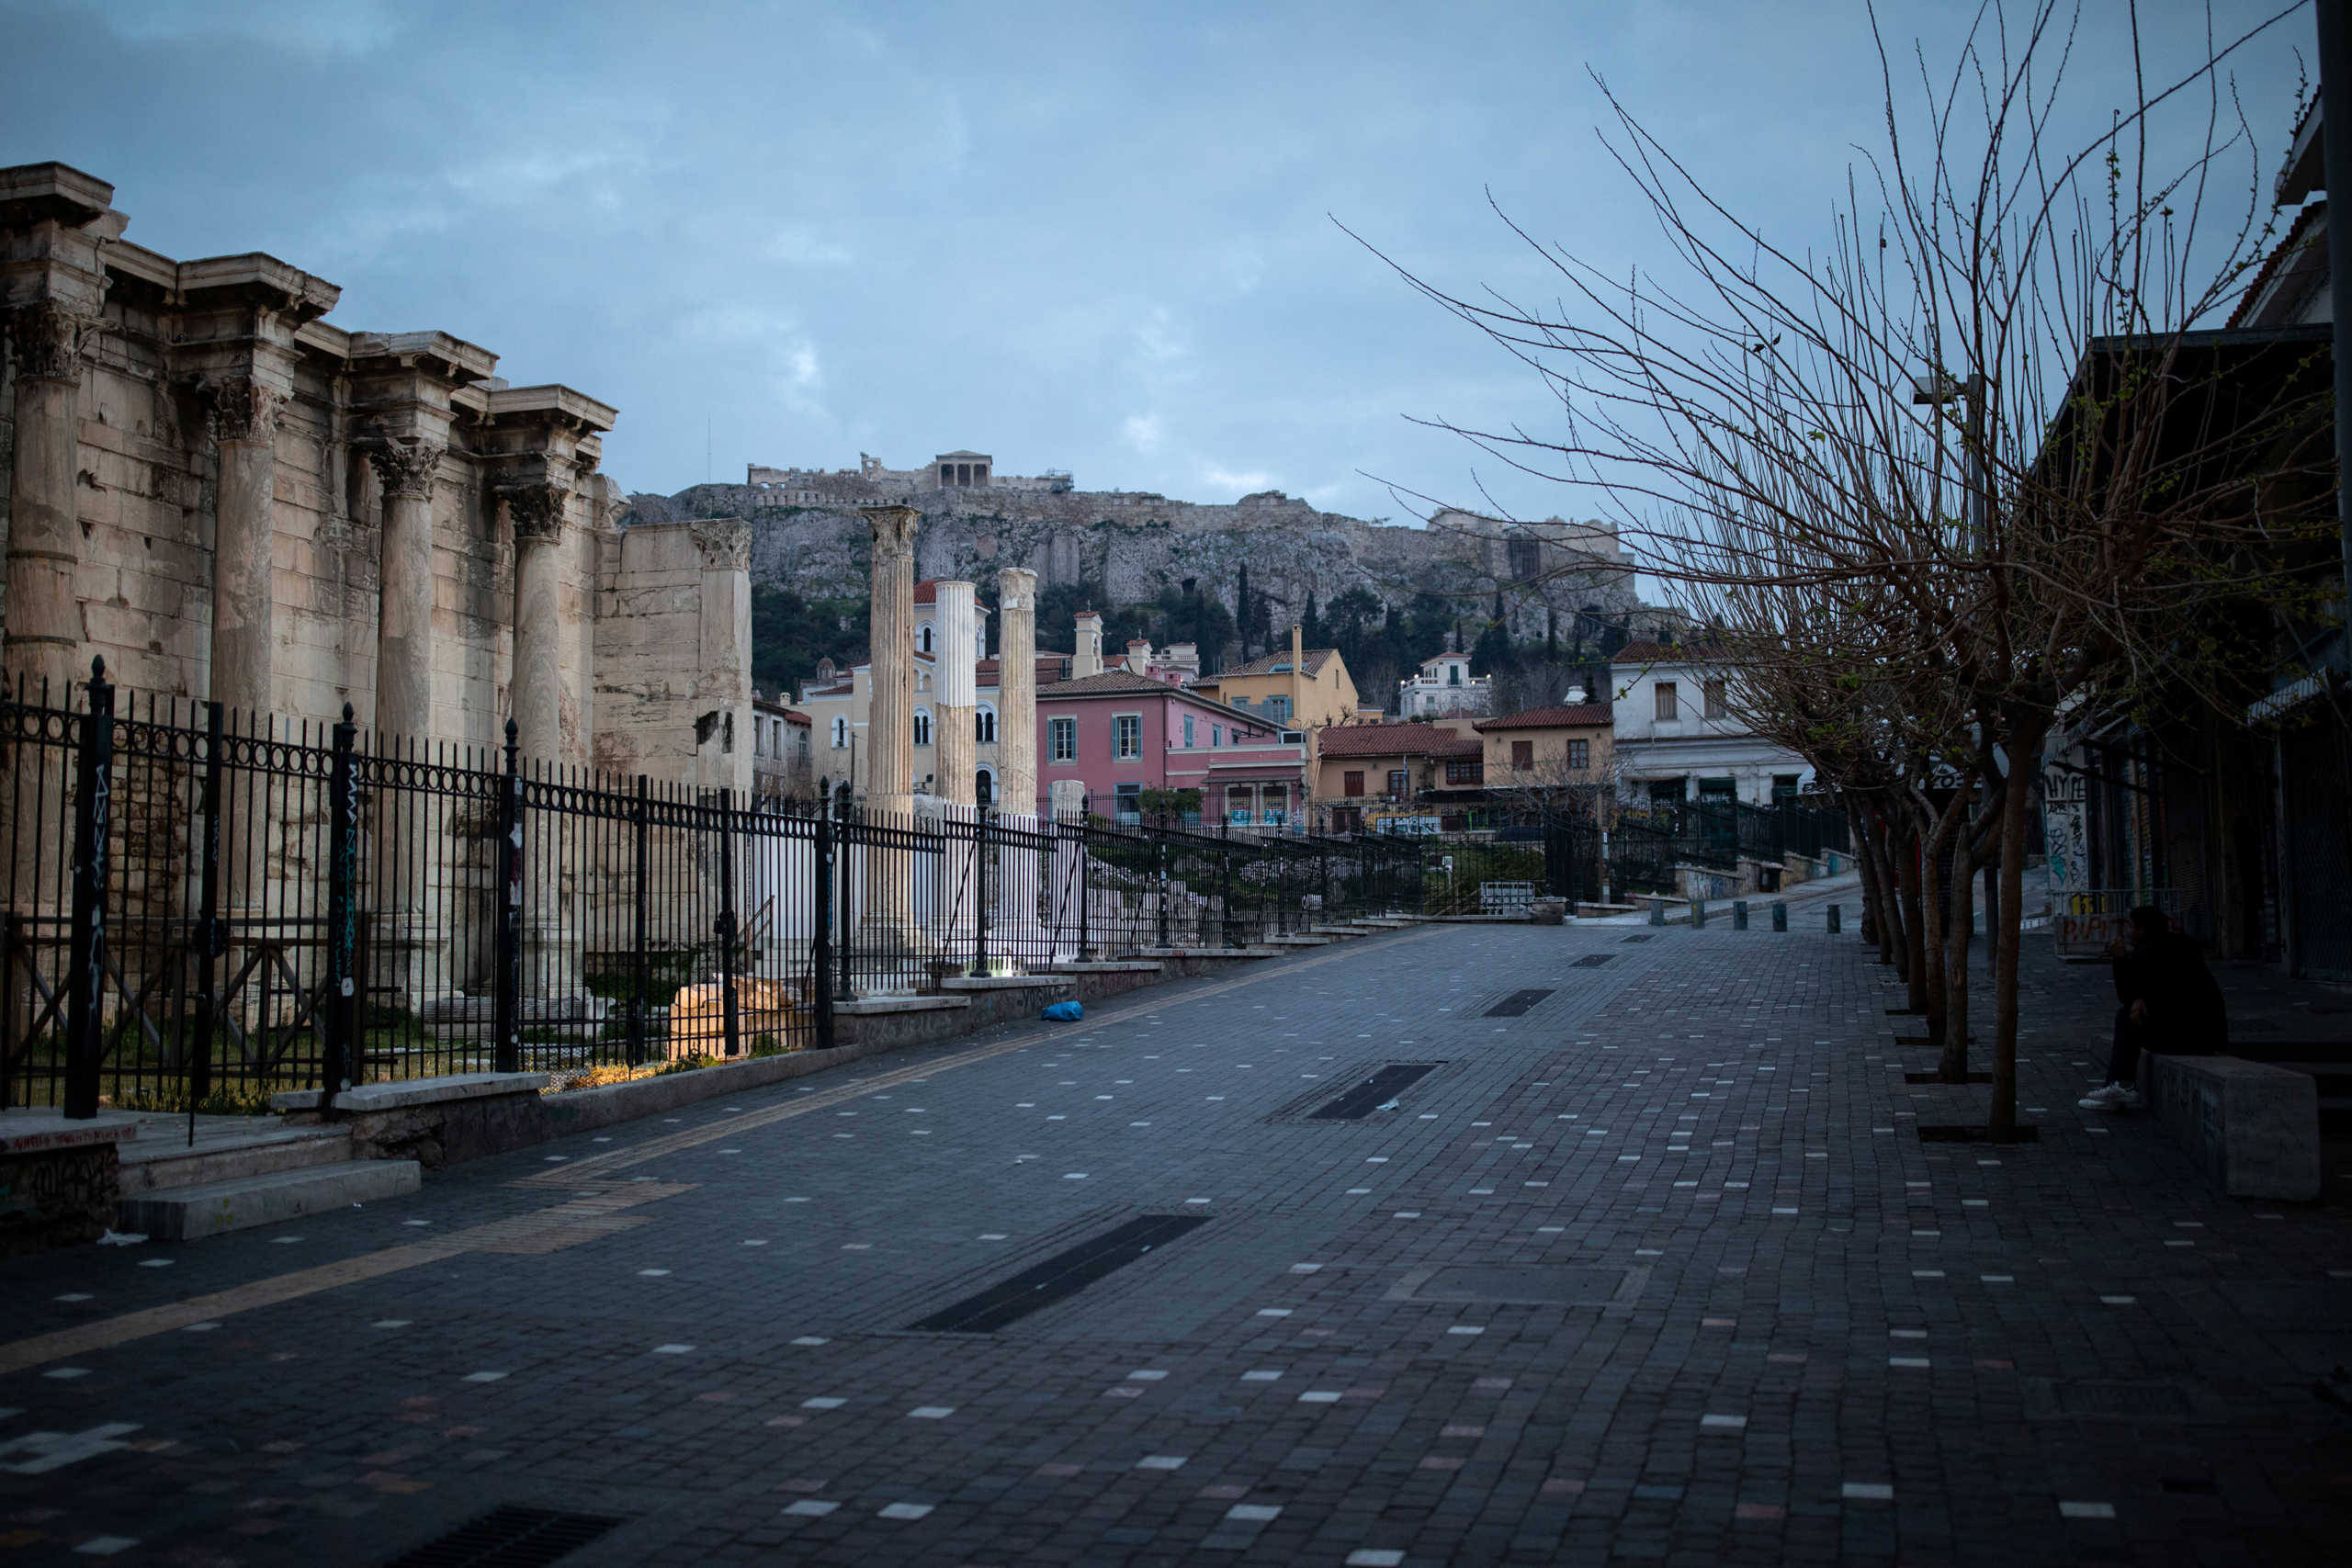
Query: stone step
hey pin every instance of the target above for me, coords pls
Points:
(187, 1214)
(155, 1164)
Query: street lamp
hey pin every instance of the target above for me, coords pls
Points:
(1934, 390)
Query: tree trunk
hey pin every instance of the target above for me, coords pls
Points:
(1960, 923)
(1892, 947)
(2024, 738)
(1860, 831)
(1905, 842)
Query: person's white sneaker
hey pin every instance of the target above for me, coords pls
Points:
(2108, 1097)
(2131, 1100)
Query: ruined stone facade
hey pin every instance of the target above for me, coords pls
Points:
(229, 496)
(807, 536)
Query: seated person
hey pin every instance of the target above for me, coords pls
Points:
(2170, 1005)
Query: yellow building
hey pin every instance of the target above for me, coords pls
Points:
(1305, 688)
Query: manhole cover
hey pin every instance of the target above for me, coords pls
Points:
(1527, 1284)
(1594, 959)
(1637, 939)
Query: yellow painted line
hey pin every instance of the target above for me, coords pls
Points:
(563, 1224)
(113, 1331)
(673, 1143)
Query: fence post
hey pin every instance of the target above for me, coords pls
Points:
(846, 991)
(507, 982)
(1163, 888)
(980, 891)
(86, 971)
(338, 1018)
(726, 923)
(209, 945)
(1224, 878)
(641, 982)
(821, 951)
(1780, 916)
(1836, 921)
(1085, 910)
(1739, 914)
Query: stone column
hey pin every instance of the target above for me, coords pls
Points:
(537, 687)
(956, 745)
(889, 738)
(1016, 689)
(244, 645)
(404, 616)
(44, 612)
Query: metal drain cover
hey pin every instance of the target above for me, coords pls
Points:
(509, 1538)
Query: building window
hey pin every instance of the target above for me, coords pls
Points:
(1662, 695)
(1465, 771)
(1351, 784)
(984, 726)
(1127, 802)
(1453, 675)
(1278, 709)
(1522, 756)
(1718, 705)
(1061, 739)
(1242, 702)
(840, 731)
(1188, 732)
(1579, 755)
(1126, 732)
(922, 726)
(923, 639)
(1400, 785)
(1347, 819)
(1277, 804)
(1785, 787)
(1216, 736)
(983, 788)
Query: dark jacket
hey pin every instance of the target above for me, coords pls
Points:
(2185, 1015)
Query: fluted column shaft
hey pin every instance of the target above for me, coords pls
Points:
(404, 614)
(956, 735)
(45, 615)
(245, 643)
(1016, 688)
(890, 739)
(538, 511)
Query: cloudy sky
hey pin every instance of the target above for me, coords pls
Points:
(1096, 238)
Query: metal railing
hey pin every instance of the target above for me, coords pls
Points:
(204, 908)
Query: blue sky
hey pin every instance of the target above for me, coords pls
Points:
(1097, 238)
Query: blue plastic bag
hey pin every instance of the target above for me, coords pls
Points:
(1064, 1013)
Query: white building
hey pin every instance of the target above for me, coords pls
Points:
(1678, 737)
(1444, 689)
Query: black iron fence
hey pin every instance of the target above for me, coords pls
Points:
(204, 910)
(1641, 851)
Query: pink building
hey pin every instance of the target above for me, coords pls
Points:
(1123, 733)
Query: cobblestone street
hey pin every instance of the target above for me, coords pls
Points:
(1653, 1265)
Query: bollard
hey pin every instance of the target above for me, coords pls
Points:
(1739, 914)
(1836, 923)
(1657, 913)
(1698, 914)
(1780, 916)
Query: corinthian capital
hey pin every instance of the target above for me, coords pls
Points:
(538, 511)
(894, 528)
(724, 543)
(244, 410)
(406, 468)
(48, 341)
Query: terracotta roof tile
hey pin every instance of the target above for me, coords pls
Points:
(1315, 658)
(1394, 741)
(1562, 717)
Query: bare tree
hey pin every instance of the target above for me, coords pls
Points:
(1968, 466)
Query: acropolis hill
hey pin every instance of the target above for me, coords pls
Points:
(806, 535)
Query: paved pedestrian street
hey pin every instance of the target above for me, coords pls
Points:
(1654, 1262)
